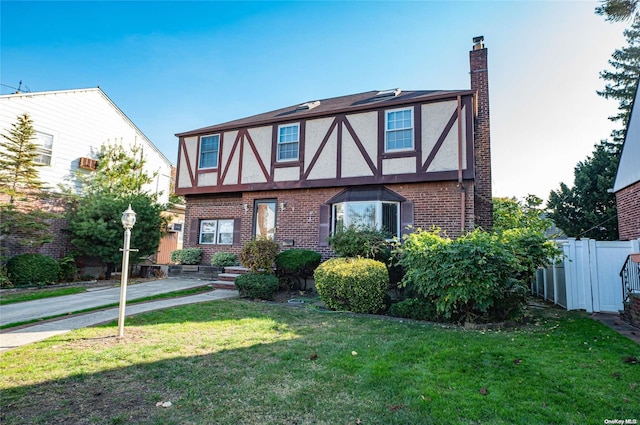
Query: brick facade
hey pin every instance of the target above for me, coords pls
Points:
(628, 203)
(435, 204)
(482, 140)
(59, 246)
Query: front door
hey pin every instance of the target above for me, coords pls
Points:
(264, 219)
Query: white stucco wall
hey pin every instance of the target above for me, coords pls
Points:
(286, 174)
(398, 165)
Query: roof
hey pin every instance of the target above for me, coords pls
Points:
(343, 104)
(628, 171)
(88, 90)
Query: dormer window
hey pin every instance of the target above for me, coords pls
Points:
(398, 135)
(288, 142)
(209, 148)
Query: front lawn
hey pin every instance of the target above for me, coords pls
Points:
(239, 362)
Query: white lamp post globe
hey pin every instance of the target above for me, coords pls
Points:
(128, 218)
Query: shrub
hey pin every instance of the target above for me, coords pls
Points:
(259, 255)
(224, 259)
(296, 265)
(354, 284)
(257, 285)
(27, 269)
(68, 269)
(361, 242)
(468, 279)
(415, 308)
(4, 279)
(188, 256)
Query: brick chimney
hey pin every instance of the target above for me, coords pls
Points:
(482, 139)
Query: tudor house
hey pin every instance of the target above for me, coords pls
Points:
(393, 159)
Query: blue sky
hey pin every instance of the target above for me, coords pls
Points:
(177, 66)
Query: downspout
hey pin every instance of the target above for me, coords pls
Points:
(460, 184)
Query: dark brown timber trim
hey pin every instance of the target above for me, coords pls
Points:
(320, 148)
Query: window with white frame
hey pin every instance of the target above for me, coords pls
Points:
(398, 134)
(225, 232)
(216, 232)
(209, 148)
(44, 142)
(288, 142)
(383, 215)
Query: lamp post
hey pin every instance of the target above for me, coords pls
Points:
(128, 220)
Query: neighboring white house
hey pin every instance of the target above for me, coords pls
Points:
(71, 125)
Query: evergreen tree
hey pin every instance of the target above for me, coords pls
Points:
(96, 228)
(23, 222)
(118, 172)
(622, 79)
(618, 10)
(18, 169)
(94, 219)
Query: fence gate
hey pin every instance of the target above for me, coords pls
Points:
(588, 278)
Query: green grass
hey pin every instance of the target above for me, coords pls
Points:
(239, 362)
(38, 294)
(181, 293)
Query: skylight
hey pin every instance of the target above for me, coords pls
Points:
(388, 93)
(308, 105)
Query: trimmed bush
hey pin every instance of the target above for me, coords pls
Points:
(415, 308)
(354, 284)
(257, 285)
(296, 265)
(259, 255)
(187, 256)
(224, 259)
(32, 269)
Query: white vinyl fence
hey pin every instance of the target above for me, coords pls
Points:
(588, 277)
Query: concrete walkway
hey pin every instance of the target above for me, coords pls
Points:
(95, 298)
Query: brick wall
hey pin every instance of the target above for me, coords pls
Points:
(60, 245)
(435, 204)
(482, 139)
(634, 309)
(628, 203)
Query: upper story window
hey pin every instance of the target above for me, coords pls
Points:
(209, 148)
(44, 142)
(398, 130)
(288, 142)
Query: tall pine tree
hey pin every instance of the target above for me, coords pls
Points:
(18, 170)
(23, 221)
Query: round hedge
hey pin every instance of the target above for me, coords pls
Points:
(354, 284)
(257, 285)
(32, 269)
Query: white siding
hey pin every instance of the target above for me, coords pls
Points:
(629, 168)
(81, 121)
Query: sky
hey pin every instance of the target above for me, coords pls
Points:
(178, 66)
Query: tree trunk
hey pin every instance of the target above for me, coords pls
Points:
(110, 268)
